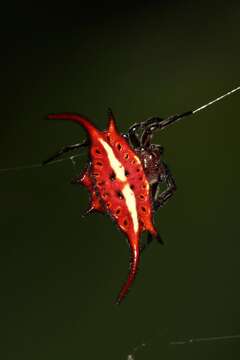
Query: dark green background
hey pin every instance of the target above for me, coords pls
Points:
(60, 273)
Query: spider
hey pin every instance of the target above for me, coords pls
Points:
(125, 175)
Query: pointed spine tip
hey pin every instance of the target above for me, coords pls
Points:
(52, 116)
(131, 276)
(159, 239)
(109, 111)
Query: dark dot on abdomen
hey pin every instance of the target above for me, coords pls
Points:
(119, 194)
(112, 176)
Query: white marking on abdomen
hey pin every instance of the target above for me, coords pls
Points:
(131, 205)
(120, 175)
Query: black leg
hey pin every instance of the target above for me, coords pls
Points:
(147, 242)
(153, 124)
(167, 178)
(149, 235)
(133, 136)
(132, 133)
(66, 149)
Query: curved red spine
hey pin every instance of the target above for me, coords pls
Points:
(79, 119)
(131, 276)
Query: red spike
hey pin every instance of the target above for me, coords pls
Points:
(92, 131)
(131, 275)
(112, 128)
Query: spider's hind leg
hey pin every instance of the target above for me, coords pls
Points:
(145, 244)
(161, 199)
(155, 123)
(149, 239)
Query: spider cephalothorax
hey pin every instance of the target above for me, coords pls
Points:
(151, 161)
(124, 175)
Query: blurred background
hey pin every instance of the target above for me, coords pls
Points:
(60, 273)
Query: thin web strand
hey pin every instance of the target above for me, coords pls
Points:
(132, 355)
(216, 100)
(205, 339)
(38, 165)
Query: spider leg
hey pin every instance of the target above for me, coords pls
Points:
(132, 133)
(155, 123)
(147, 242)
(161, 199)
(149, 235)
(66, 149)
(133, 136)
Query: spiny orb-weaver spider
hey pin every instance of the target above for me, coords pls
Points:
(124, 175)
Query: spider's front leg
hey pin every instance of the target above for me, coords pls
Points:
(133, 135)
(66, 149)
(156, 123)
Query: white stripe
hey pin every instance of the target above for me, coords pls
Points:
(131, 205)
(127, 191)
